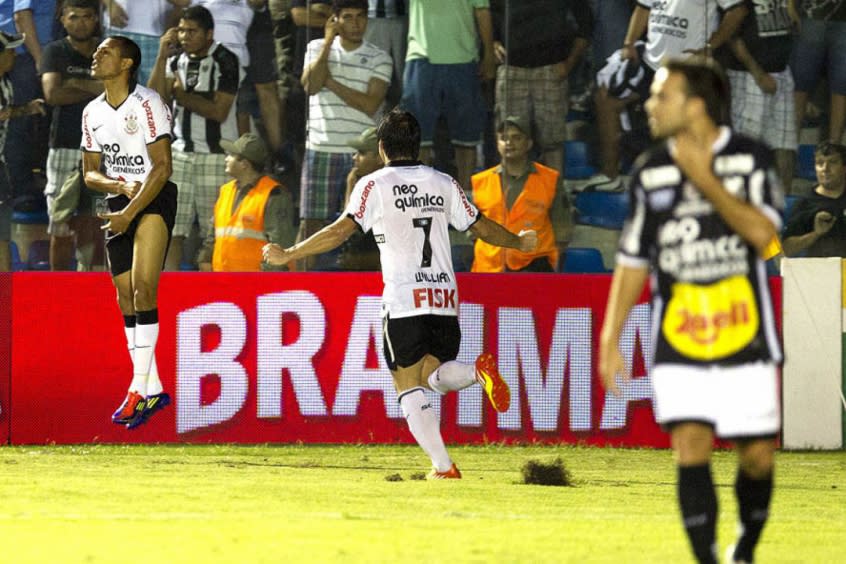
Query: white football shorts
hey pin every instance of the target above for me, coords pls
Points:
(739, 401)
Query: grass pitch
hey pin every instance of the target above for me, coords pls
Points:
(358, 503)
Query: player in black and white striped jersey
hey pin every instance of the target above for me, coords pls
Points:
(409, 207)
(705, 205)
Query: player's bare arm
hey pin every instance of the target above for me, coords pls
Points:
(626, 287)
(143, 194)
(367, 102)
(694, 157)
(161, 157)
(492, 232)
(99, 182)
(328, 238)
(217, 108)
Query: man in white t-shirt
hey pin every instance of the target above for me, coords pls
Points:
(673, 28)
(409, 207)
(126, 133)
(346, 79)
(143, 23)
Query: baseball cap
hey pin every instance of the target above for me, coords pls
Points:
(367, 141)
(249, 146)
(10, 41)
(515, 121)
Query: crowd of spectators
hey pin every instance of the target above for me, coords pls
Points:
(308, 79)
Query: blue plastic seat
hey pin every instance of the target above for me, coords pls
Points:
(38, 257)
(579, 164)
(602, 209)
(805, 162)
(30, 217)
(584, 260)
(17, 263)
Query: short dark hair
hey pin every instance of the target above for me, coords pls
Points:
(200, 15)
(399, 133)
(828, 148)
(705, 79)
(338, 5)
(92, 4)
(129, 50)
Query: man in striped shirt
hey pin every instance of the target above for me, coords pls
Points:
(346, 79)
(201, 81)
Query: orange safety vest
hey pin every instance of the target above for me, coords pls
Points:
(530, 211)
(239, 236)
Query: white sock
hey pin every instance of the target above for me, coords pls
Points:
(452, 376)
(145, 348)
(154, 385)
(425, 427)
(138, 384)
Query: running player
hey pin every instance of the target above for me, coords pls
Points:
(126, 135)
(705, 205)
(409, 208)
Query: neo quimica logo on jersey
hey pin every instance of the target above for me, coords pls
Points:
(406, 197)
(119, 161)
(711, 322)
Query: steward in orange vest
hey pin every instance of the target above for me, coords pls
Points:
(239, 233)
(531, 201)
(250, 211)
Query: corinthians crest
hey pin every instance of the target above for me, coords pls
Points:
(130, 123)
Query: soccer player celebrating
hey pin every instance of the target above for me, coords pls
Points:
(705, 204)
(126, 153)
(409, 208)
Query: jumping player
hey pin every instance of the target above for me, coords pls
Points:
(705, 205)
(409, 208)
(126, 135)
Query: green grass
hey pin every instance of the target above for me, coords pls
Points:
(330, 503)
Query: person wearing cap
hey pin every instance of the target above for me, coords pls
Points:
(8, 43)
(360, 252)
(251, 210)
(521, 194)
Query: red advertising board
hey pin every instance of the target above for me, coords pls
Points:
(254, 358)
(5, 353)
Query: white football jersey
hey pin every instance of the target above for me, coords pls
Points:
(409, 209)
(122, 134)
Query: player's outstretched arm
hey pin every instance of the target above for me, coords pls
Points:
(626, 287)
(492, 232)
(328, 238)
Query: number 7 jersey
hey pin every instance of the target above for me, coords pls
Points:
(409, 207)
